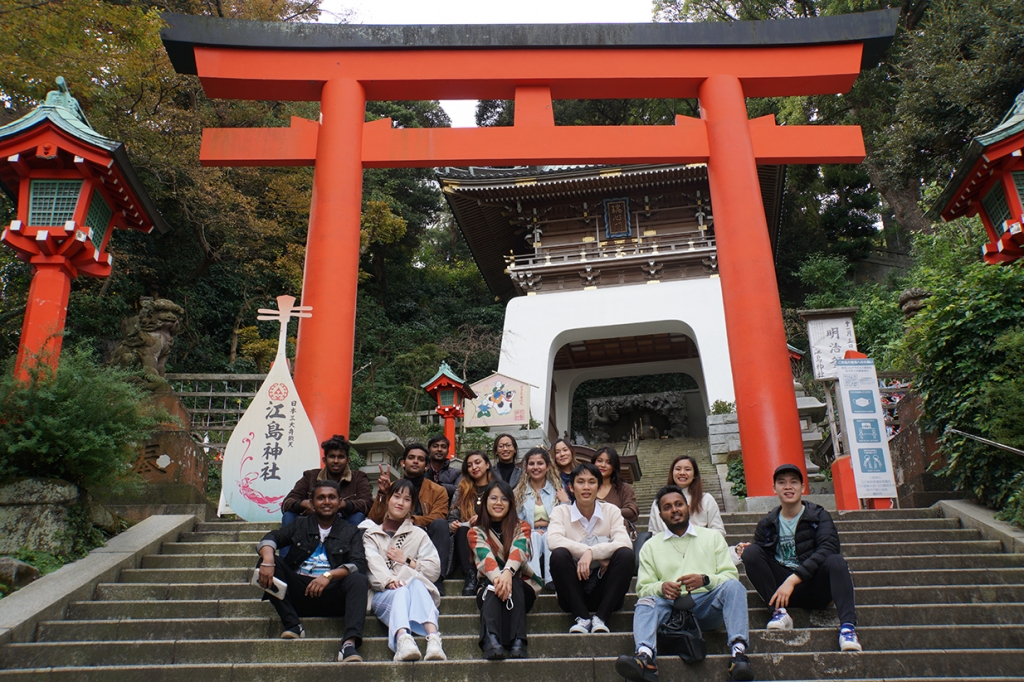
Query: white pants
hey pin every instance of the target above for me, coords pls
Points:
(409, 607)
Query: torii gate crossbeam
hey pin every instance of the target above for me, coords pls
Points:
(343, 66)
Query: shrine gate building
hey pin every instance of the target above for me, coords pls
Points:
(610, 272)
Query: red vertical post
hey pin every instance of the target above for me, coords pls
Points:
(449, 433)
(45, 313)
(326, 342)
(765, 400)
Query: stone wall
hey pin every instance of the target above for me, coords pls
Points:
(36, 513)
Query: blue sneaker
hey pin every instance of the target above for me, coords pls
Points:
(848, 640)
(780, 621)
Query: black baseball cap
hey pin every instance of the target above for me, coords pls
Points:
(788, 469)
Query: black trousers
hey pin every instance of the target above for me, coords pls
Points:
(496, 618)
(346, 597)
(606, 597)
(463, 554)
(830, 583)
(440, 534)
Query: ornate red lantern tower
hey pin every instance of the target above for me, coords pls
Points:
(449, 391)
(72, 187)
(989, 183)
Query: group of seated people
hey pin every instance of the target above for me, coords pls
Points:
(546, 522)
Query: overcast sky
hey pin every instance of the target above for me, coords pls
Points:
(487, 12)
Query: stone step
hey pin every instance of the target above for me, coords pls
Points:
(182, 651)
(921, 562)
(886, 538)
(545, 604)
(850, 551)
(788, 666)
(201, 591)
(734, 517)
(244, 542)
(269, 626)
(845, 526)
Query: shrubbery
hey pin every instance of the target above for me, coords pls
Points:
(81, 424)
(965, 348)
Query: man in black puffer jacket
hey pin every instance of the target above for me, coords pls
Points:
(795, 560)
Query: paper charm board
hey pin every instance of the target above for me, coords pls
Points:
(274, 441)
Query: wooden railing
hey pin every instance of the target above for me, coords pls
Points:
(216, 402)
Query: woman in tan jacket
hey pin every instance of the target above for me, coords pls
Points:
(403, 564)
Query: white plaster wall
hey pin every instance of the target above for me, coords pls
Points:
(537, 326)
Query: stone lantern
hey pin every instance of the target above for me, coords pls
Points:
(989, 183)
(449, 391)
(72, 187)
(379, 446)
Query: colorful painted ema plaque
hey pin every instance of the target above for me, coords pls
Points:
(274, 441)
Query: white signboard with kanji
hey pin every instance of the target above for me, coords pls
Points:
(863, 419)
(274, 441)
(500, 401)
(829, 338)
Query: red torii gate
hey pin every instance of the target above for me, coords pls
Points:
(343, 66)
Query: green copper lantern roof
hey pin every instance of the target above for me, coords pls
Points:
(444, 371)
(1012, 124)
(63, 111)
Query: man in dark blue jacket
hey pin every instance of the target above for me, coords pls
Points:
(795, 560)
(325, 570)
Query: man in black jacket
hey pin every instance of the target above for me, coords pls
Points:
(325, 570)
(795, 561)
(439, 469)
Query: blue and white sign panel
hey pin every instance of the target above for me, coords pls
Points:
(864, 429)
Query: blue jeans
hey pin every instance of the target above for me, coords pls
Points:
(726, 603)
(541, 557)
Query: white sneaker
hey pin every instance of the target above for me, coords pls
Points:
(406, 649)
(597, 625)
(434, 650)
(780, 621)
(580, 627)
(848, 640)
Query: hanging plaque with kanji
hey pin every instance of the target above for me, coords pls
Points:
(274, 441)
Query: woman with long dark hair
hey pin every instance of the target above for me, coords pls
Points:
(506, 450)
(403, 565)
(508, 587)
(466, 504)
(613, 489)
(563, 455)
(536, 495)
(703, 508)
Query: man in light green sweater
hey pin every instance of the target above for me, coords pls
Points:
(691, 558)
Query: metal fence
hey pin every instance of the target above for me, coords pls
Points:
(216, 402)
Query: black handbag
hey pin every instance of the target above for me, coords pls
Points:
(680, 634)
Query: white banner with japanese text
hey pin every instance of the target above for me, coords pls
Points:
(864, 433)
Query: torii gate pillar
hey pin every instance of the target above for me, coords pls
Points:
(757, 338)
(331, 271)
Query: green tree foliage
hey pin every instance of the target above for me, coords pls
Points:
(81, 424)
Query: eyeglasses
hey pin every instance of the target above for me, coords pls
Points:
(502, 499)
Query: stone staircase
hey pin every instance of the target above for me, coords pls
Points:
(655, 456)
(935, 601)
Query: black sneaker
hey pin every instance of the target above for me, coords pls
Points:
(349, 654)
(638, 668)
(739, 668)
(297, 632)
